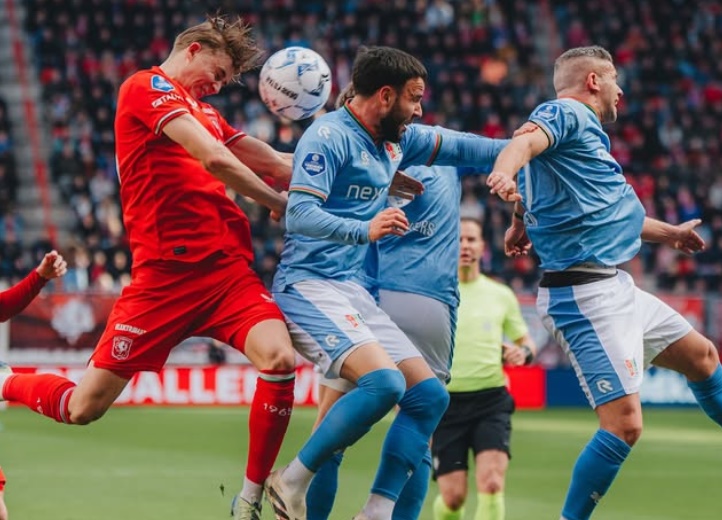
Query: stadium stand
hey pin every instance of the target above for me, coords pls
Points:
(485, 76)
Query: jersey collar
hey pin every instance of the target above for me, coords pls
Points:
(359, 121)
(591, 109)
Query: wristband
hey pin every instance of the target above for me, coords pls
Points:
(529, 355)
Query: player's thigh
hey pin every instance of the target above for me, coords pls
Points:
(491, 416)
(3, 508)
(596, 324)
(451, 442)
(327, 325)
(427, 322)
(244, 315)
(148, 320)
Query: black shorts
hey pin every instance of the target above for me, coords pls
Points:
(476, 421)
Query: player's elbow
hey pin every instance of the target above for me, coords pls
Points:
(216, 159)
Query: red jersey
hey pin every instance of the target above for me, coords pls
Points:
(173, 208)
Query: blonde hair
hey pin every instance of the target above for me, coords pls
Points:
(226, 34)
(573, 65)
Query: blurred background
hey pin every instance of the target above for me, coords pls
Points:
(489, 63)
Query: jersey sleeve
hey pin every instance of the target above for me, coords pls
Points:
(153, 100)
(514, 324)
(421, 145)
(559, 121)
(319, 156)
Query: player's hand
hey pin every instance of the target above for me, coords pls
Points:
(277, 214)
(405, 186)
(503, 185)
(526, 128)
(686, 239)
(52, 266)
(513, 355)
(516, 241)
(391, 221)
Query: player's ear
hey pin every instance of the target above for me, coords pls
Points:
(387, 95)
(593, 82)
(193, 49)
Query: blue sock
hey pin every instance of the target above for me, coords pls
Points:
(411, 500)
(322, 492)
(709, 395)
(407, 440)
(352, 416)
(594, 472)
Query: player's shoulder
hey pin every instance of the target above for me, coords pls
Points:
(329, 129)
(148, 79)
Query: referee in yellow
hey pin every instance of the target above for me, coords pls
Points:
(479, 414)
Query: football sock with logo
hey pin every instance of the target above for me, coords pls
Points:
(595, 470)
(322, 491)
(709, 395)
(268, 421)
(442, 511)
(490, 506)
(411, 499)
(407, 440)
(352, 415)
(46, 394)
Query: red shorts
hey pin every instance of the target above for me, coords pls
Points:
(2, 480)
(168, 302)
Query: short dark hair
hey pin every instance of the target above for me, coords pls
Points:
(378, 67)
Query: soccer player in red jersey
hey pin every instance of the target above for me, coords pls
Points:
(12, 302)
(191, 246)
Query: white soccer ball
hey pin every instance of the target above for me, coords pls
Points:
(295, 82)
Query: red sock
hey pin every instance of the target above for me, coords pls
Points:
(270, 413)
(46, 394)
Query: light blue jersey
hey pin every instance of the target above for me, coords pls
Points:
(579, 207)
(340, 182)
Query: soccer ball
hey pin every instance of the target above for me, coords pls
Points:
(295, 82)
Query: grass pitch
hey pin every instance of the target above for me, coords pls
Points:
(169, 463)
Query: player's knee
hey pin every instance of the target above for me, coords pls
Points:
(387, 386)
(630, 433)
(426, 400)
(492, 483)
(707, 363)
(454, 498)
(85, 413)
(280, 358)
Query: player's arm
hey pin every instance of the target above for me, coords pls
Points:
(305, 216)
(263, 159)
(221, 162)
(15, 299)
(681, 237)
(515, 155)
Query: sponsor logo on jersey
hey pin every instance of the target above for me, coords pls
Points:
(121, 347)
(547, 112)
(324, 131)
(160, 83)
(424, 227)
(122, 327)
(314, 163)
(357, 192)
(393, 150)
(165, 98)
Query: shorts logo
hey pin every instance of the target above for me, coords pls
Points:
(331, 340)
(631, 365)
(355, 320)
(121, 347)
(314, 163)
(160, 83)
(604, 386)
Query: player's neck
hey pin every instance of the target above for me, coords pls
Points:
(469, 274)
(170, 67)
(587, 101)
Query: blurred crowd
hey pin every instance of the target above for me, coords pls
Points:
(485, 76)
